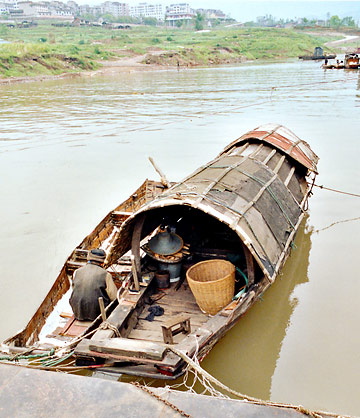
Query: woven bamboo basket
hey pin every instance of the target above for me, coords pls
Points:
(212, 283)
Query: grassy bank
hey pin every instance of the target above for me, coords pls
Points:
(47, 49)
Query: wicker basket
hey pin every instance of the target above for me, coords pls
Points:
(212, 283)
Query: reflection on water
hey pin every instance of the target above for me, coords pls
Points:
(71, 150)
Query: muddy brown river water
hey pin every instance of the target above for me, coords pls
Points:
(71, 150)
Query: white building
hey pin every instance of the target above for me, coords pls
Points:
(212, 13)
(179, 12)
(148, 10)
(34, 9)
(58, 8)
(84, 9)
(6, 6)
(115, 8)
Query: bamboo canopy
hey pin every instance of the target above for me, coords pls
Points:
(259, 195)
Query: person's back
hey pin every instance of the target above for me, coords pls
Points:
(89, 283)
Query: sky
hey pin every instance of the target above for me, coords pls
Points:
(247, 10)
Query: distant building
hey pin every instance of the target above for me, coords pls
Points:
(148, 10)
(45, 9)
(72, 5)
(115, 8)
(8, 6)
(96, 10)
(212, 14)
(179, 12)
(34, 9)
(266, 21)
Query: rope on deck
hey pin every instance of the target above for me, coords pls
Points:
(112, 327)
(194, 365)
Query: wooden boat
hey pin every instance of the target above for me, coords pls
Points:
(317, 55)
(244, 206)
(338, 65)
(351, 61)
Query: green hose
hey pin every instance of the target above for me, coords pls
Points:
(246, 285)
(28, 356)
(52, 362)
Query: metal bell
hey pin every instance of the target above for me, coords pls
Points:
(165, 242)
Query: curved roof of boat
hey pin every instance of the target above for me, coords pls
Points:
(242, 193)
(282, 138)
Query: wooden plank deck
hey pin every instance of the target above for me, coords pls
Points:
(174, 303)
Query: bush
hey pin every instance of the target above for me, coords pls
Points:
(74, 50)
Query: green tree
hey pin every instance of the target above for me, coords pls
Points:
(3, 30)
(199, 20)
(348, 21)
(179, 23)
(151, 21)
(335, 21)
(108, 17)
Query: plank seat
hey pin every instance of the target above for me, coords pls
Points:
(175, 325)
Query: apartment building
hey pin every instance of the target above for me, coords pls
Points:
(115, 8)
(212, 13)
(179, 12)
(148, 10)
(34, 9)
(7, 6)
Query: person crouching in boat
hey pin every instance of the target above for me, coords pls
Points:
(89, 283)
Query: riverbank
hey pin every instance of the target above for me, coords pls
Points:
(45, 51)
(125, 65)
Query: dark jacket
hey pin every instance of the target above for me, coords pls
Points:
(89, 283)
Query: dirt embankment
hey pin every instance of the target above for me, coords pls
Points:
(341, 43)
(151, 61)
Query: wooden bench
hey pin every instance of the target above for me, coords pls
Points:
(180, 323)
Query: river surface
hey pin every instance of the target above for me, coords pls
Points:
(72, 149)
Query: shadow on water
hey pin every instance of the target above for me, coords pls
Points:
(245, 359)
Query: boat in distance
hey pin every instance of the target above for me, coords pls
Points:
(189, 259)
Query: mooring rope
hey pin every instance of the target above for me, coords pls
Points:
(337, 191)
(165, 401)
(336, 223)
(193, 364)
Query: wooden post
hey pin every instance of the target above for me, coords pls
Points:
(163, 179)
(249, 265)
(135, 273)
(102, 308)
(135, 250)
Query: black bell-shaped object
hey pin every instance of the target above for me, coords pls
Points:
(165, 242)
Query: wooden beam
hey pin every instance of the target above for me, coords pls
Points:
(249, 265)
(288, 178)
(129, 348)
(135, 244)
(279, 164)
(268, 158)
(164, 181)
